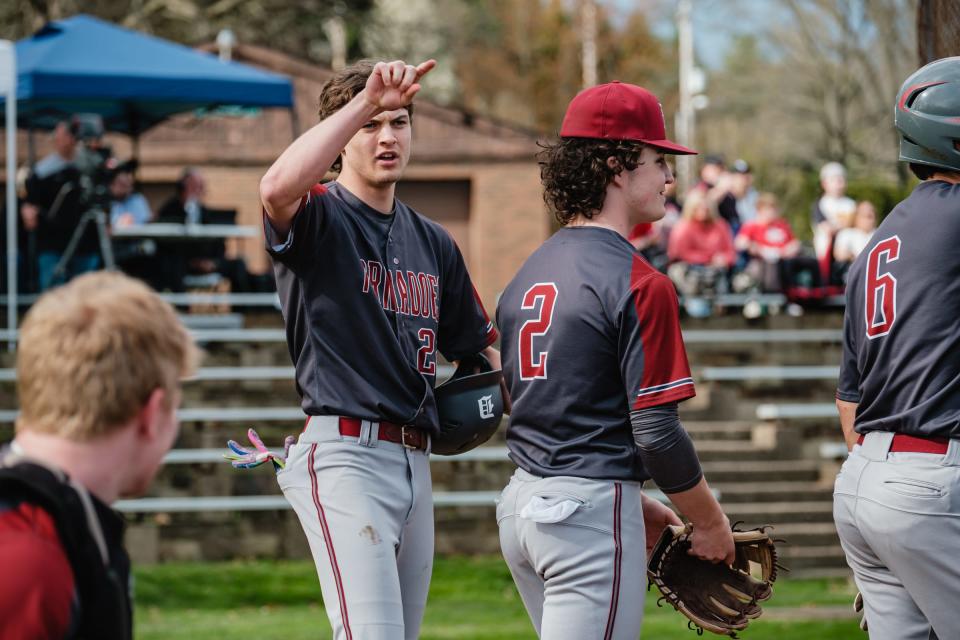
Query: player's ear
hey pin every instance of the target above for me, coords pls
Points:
(147, 418)
(614, 164)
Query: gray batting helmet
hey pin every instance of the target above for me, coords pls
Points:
(927, 115)
(470, 406)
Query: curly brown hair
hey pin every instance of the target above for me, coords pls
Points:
(575, 173)
(344, 87)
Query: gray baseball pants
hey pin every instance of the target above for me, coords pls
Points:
(576, 550)
(898, 516)
(366, 506)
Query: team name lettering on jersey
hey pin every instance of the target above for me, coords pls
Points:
(404, 292)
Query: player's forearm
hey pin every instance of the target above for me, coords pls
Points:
(701, 508)
(304, 163)
(848, 414)
(665, 447)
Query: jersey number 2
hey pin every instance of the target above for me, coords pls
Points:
(426, 364)
(534, 365)
(881, 291)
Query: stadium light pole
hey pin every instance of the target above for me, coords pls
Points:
(588, 42)
(685, 114)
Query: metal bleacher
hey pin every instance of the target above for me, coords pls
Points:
(229, 328)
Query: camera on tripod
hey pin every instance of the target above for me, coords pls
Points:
(94, 161)
(84, 188)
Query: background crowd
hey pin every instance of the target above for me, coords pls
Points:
(726, 236)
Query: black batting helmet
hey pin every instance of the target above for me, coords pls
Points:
(470, 406)
(926, 115)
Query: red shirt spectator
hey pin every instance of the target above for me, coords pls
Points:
(643, 235)
(773, 233)
(701, 237)
(768, 236)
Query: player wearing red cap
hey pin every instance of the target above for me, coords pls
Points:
(595, 364)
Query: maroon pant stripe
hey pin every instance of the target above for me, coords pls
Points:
(617, 555)
(328, 541)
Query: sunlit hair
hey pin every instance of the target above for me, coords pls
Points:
(696, 199)
(344, 87)
(575, 173)
(767, 200)
(92, 351)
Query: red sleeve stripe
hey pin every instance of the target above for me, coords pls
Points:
(491, 335)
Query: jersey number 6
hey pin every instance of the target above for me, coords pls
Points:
(534, 365)
(881, 290)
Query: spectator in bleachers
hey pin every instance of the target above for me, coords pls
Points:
(199, 258)
(717, 183)
(830, 210)
(700, 248)
(646, 238)
(186, 205)
(850, 241)
(773, 250)
(741, 186)
(127, 206)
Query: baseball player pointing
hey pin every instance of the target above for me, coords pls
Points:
(897, 496)
(371, 291)
(595, 366)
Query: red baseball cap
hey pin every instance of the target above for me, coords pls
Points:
(619, 111)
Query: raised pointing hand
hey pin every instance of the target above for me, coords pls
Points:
(392, 85)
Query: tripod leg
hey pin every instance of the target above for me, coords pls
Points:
(106, 247)
(60, 270)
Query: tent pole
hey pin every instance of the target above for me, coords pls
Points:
(134, 124)
(294, 121)
(11, 131)
(31, 147)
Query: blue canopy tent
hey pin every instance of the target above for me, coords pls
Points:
(132, 80)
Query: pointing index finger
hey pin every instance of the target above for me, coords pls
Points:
(425, 67)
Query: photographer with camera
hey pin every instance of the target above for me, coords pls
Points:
(61, 189)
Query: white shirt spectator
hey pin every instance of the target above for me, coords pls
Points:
(851, 241)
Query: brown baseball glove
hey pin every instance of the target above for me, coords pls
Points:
(715, 597)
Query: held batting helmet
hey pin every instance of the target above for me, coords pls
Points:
(927, 115)
(470, 406)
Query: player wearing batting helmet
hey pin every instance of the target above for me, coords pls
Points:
(595, 366)
(897, 496)
(371, 292)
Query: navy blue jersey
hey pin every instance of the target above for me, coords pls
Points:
(590, 331)
(901, 348)
(368, 299)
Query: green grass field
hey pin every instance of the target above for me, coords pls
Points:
(470, 598)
